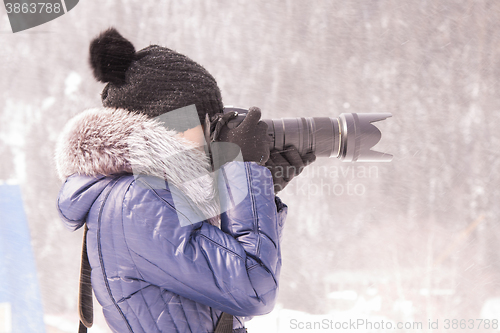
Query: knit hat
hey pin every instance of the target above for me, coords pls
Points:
(152, 81)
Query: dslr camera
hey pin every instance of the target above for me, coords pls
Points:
(349, 137)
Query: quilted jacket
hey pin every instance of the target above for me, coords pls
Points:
(171, 245)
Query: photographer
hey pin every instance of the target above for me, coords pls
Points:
(167, 253)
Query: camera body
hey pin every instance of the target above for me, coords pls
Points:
(349, 137)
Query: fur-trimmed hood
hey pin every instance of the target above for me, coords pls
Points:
(104, 141)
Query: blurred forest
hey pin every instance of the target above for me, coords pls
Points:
(419, 234)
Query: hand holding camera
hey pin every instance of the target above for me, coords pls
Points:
(286, 164)
(286, 146)
(250, 136)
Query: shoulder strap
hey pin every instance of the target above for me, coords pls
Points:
(85, 306)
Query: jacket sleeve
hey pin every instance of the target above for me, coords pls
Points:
(235, 268)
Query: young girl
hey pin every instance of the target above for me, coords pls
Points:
(172, 244)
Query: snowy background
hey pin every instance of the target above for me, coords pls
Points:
(408, 241)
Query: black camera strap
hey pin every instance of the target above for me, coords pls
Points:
(85, 302)
(225, 324)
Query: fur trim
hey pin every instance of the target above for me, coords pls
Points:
(105, 141)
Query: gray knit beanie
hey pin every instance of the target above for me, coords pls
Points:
(152, 81)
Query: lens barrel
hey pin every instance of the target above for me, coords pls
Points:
(349, 137)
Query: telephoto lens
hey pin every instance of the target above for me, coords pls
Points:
(349, 137)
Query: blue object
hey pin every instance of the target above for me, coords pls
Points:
(152, 271)
(20, 302)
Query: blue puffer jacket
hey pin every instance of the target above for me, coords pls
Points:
(152, 271)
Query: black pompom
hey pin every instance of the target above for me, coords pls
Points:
(111, 56)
